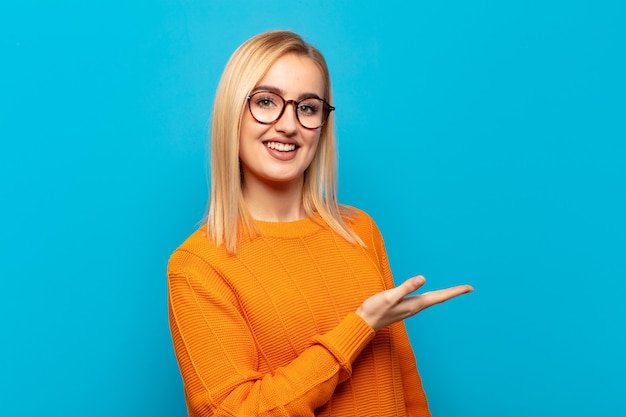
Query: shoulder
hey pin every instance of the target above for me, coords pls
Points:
(197, 251)
(356, 216)
(361, 222)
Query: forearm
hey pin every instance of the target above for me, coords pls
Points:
(219, 360)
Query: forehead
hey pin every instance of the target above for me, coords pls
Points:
(294, 75)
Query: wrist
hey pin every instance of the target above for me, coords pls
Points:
(359, 312)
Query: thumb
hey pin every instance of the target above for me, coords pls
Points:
(410, 285)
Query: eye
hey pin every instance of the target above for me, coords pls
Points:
(265, 101)
(309, 107)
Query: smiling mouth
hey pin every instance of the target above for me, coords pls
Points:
(281, 147)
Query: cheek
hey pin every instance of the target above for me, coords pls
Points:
(247, 127)
(314, 147)
(250, 132)
(314, 138)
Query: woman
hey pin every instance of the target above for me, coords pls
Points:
(283, 303)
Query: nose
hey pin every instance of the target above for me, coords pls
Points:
(288, 121)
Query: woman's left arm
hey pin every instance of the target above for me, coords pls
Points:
(414, 395)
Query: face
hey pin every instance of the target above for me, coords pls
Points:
(278, 154)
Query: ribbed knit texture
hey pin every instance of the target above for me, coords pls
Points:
(272, 331)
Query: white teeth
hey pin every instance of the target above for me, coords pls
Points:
(282, 147)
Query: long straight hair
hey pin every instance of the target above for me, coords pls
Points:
(227, 216)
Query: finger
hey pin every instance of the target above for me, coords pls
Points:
(410, 285)
(395, 295)
(437, 297)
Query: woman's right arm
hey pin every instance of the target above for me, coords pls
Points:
(219, 360)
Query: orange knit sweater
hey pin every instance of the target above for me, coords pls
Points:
(272, 331)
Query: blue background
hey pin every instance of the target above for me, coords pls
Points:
(486, 138)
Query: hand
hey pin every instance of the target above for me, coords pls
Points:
(390, 306)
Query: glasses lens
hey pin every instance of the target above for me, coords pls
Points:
(266, 106)
(311, 112)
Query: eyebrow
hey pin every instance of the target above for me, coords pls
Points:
(281, 92)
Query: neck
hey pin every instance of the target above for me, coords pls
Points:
(279, 202)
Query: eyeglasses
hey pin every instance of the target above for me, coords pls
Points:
(267, 107)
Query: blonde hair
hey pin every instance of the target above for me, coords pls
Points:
(227, 215)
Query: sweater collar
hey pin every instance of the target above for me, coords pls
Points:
(294, 229)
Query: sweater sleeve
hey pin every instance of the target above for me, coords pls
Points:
(218, 357)
(415, 397)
